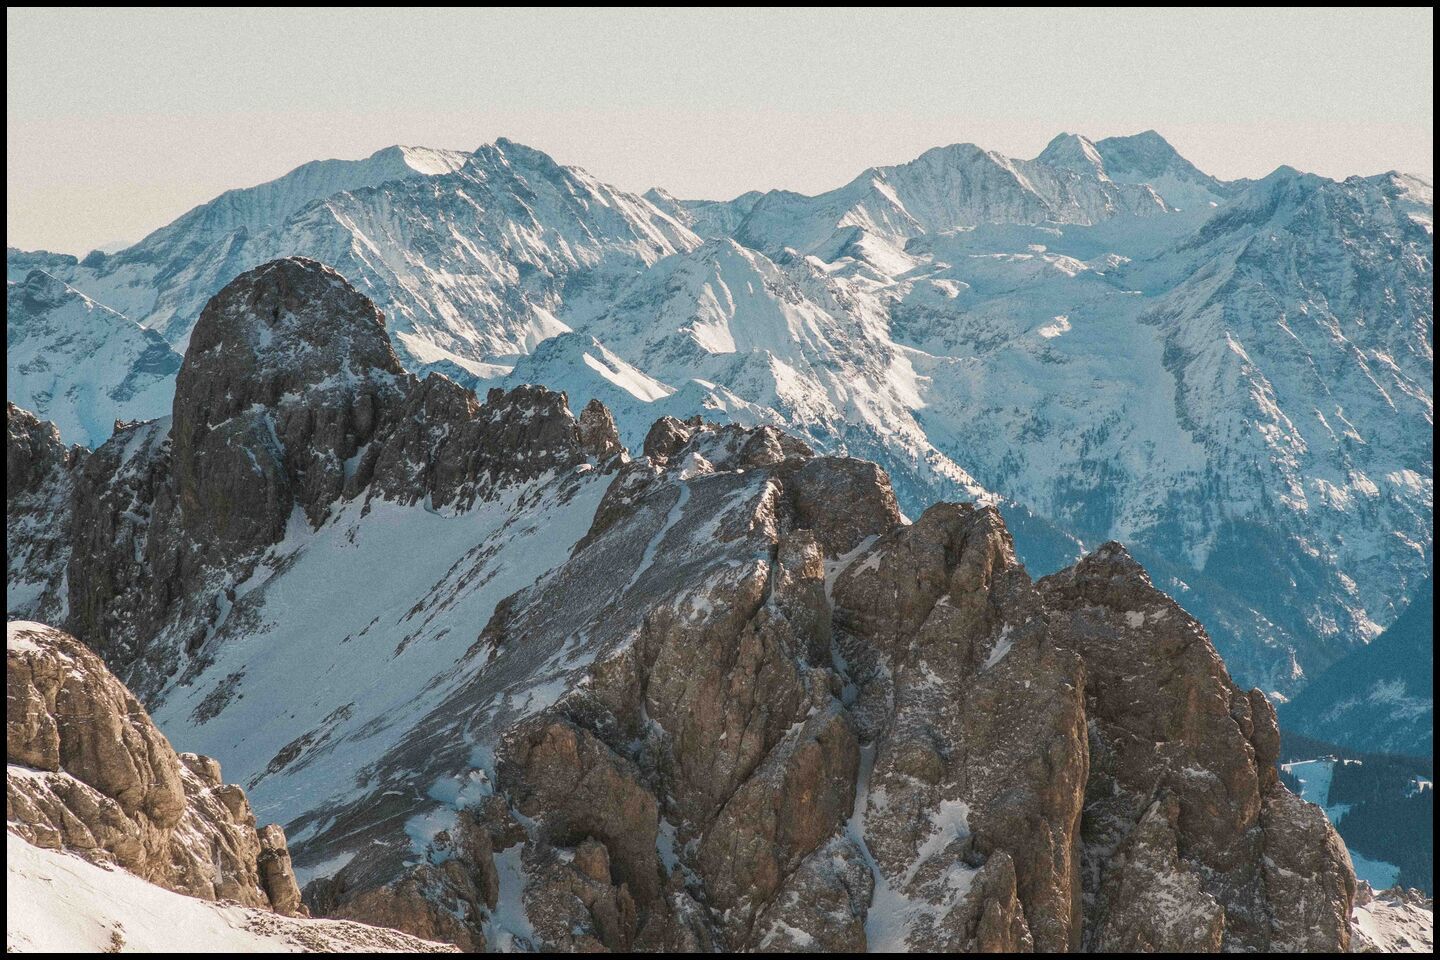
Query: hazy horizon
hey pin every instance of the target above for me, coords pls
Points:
(119, 121)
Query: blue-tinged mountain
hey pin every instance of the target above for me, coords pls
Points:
(1238, 387)
(1144, 158)
(471, 255)
(1381, 697)
(80, 364)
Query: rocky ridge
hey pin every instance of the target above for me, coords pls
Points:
(534, 693)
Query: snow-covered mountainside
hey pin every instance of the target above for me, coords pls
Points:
(1145, 158)
(79, 364)
(943, 189)
(470, 255)
(508, 687)
(1234, 378)
(1231, 392)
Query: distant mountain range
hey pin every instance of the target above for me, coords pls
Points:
(1234, 378)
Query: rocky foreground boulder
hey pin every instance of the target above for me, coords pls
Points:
(507, 687)
(88, 772)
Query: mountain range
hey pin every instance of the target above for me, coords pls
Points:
(1233, 378)
(503, 685)
(474, 511)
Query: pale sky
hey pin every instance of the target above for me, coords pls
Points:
(117, 122)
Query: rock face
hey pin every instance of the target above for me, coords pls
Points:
(39, 497)
(506, 687)
(1187, 760)
(267, 414)
(88, 772)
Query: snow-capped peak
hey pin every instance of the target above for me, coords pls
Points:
(428, 161)
(1150, 159)
(1070, 151)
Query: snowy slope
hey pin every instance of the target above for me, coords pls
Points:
(725, 332)
(58, 903)
(1144, 158)
(467, 254)
(389, 599)
(80, 364)
(143, 280)
(946, 188)
(1389, 922)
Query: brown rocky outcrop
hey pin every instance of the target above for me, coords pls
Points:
(88, 772)
(866, 733)
(281, 384)
(1187, 758)
(932, 609)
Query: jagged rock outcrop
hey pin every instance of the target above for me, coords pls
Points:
(1180, 753)
(39, 499)
(860, 732)
(33, 451)
(721, 696)
(88, 772)
(281, 385)
(938, 607)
